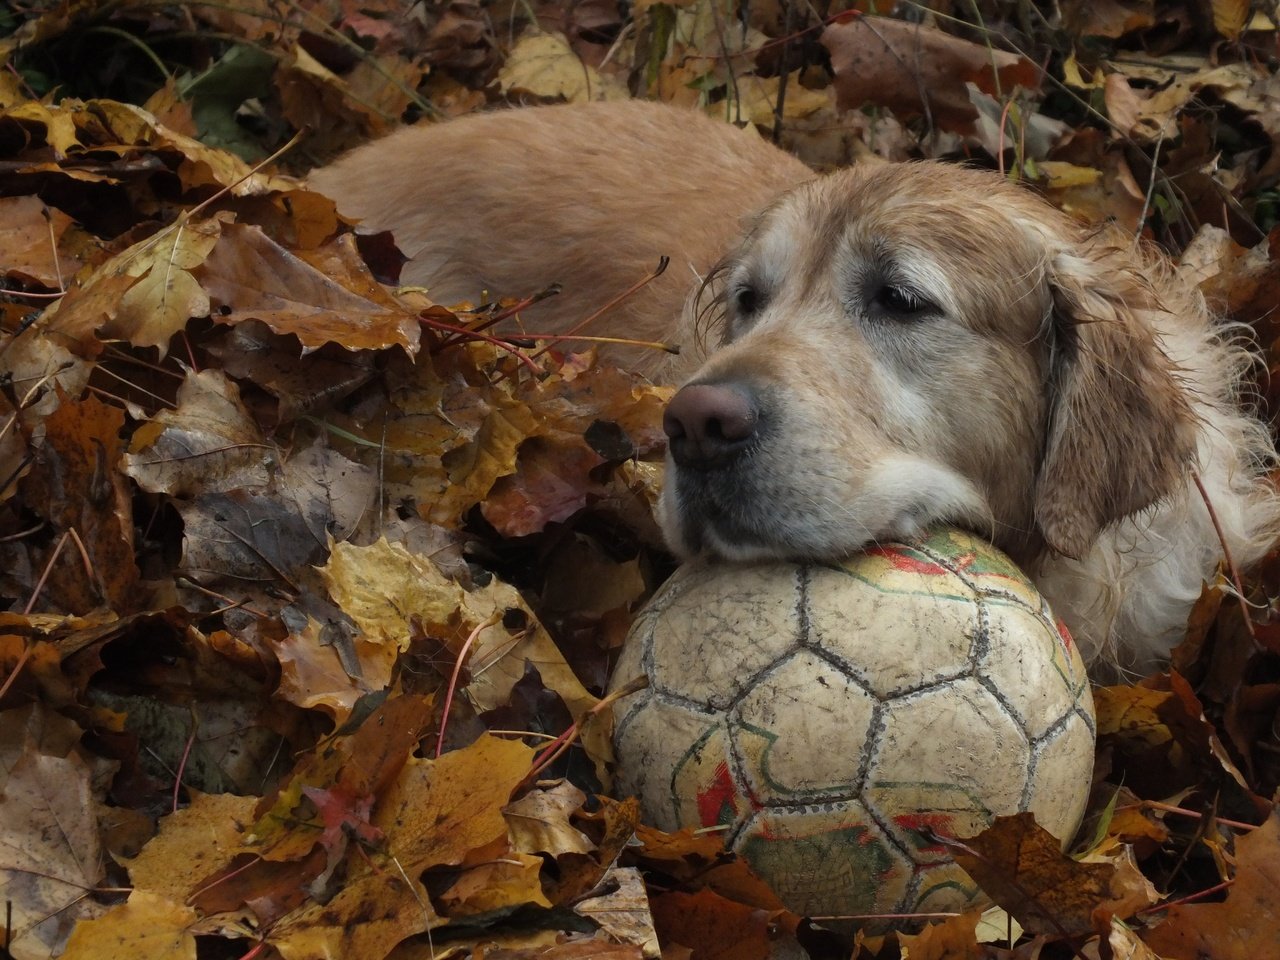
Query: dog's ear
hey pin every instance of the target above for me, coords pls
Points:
(1121, 432)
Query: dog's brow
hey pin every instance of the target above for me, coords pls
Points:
(931, 278)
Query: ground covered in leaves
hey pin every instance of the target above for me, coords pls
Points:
(311, 587)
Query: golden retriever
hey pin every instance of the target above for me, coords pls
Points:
(897, 345)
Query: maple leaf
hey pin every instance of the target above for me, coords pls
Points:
(143, 295)
(251, 277)
(344, 815)
(1021, 866)
(145, 927)
(74, 484)
(382, 586)
(1240, 926)
(207, 444)
(192, 844)
(30, 249)
(50, 851)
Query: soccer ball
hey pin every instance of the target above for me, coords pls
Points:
(821, 715)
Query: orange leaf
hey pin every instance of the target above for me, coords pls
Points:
(1242, 927)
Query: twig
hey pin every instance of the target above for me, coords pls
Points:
(1231, 563)
(493, 620)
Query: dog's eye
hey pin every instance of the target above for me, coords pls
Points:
(900, 301)
(746, 301)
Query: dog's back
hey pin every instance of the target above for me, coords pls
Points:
(633, 175)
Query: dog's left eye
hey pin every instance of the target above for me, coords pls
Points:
(900, 301)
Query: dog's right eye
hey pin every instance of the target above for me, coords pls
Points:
(901, 302)
(746, 301)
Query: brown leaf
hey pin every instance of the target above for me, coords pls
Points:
(1243, 926)
(29, 245)
(208, 444)
(50, 853)
(712, 927)
(314, 98)
(551, 483)
(1021, 866)
(75, 483)
(251, 277)
(1124, 106)
(1109, 18)
(914, 69)
(952, 939)
(314, 672)
(250, 351)
(539, 821)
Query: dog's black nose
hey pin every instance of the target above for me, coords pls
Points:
(709, 424)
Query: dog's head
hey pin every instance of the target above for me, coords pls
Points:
(903, 345)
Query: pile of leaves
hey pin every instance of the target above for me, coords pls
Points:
(313, 585)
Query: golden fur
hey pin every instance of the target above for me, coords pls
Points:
(898, 345)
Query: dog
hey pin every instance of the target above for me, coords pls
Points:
(891, 346)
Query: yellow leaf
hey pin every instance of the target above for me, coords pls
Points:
(544, 65)
(1229, 17)
(383, 586)
(149, 310)
(192, 844)
(1072, 76)
(146, 927)
(1062, 176)
(759, 99)
(435, 812)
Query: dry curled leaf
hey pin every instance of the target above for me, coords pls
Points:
(1240, 927)
(1021, 866)
(914, 69)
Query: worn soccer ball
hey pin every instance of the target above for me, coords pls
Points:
(822, 715)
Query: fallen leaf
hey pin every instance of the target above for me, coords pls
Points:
(191, 844)
(1021, 866)
(1240, 927)
(29, 249)
(143, 295)
(1230, 16)
(914, 69)
(249, 276)
(50, 852)
(544, 65)
(208, 444)
(75, 485)
(382, 586)
(952, 939)
(551, 483)
(711, 926)
(145, 927)
(539, 821)
(623, 912)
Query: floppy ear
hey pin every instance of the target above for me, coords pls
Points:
(1121, 432)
